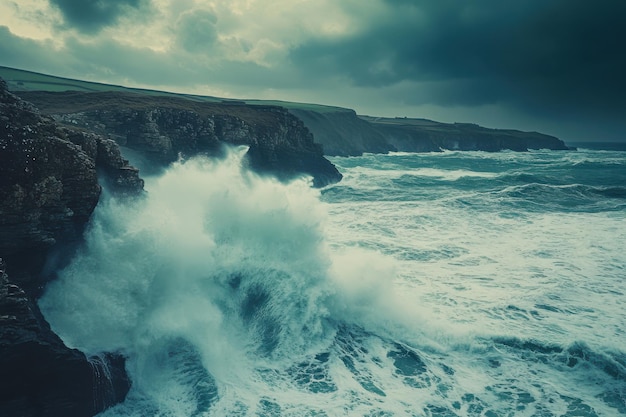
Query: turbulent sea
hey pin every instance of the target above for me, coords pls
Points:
(438, 284)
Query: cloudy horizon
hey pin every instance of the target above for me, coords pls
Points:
(556, 67)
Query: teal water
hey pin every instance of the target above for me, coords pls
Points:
(442, 284)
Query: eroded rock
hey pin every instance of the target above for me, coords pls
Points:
(40, 376)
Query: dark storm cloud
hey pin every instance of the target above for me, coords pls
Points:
(557, 56)
(90, 16)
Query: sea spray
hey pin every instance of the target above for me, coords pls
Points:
(214, 271)
(421, 285)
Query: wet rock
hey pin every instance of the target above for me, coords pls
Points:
(41, 376)
(49, 186)
(48, 190)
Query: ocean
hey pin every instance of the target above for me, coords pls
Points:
(437, 284)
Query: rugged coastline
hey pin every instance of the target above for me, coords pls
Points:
(55, 162)
(57, 150)
(344, 133)
(164, 128)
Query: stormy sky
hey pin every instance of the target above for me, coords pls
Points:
(555, 66)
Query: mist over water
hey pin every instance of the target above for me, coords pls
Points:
(451, 284)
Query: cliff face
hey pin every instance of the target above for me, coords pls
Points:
(49, 185)
(51, 173)
(162, 128)
(343, 133)
(48, 190)
(418, 135)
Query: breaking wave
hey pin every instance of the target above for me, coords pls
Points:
(233, 294)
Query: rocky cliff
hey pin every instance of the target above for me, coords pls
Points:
(163, 128)
(48, 189)
(53, 164)
(419, 135)
(343, 133)
(49, 185)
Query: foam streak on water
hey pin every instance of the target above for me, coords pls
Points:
(449, 284)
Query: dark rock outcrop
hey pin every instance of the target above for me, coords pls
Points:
(40, 376)
(163, 128)
(48, 190)
(120, 177)
(49, 185)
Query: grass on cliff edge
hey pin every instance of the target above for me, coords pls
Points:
(21, 80)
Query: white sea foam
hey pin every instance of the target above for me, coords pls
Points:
(232, 267)
(232, 294)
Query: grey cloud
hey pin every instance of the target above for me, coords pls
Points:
(122, 63)
(109, 59)
(101, 60)
(89, 16)
(105, 59)
(32, 55)
(196, 30)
